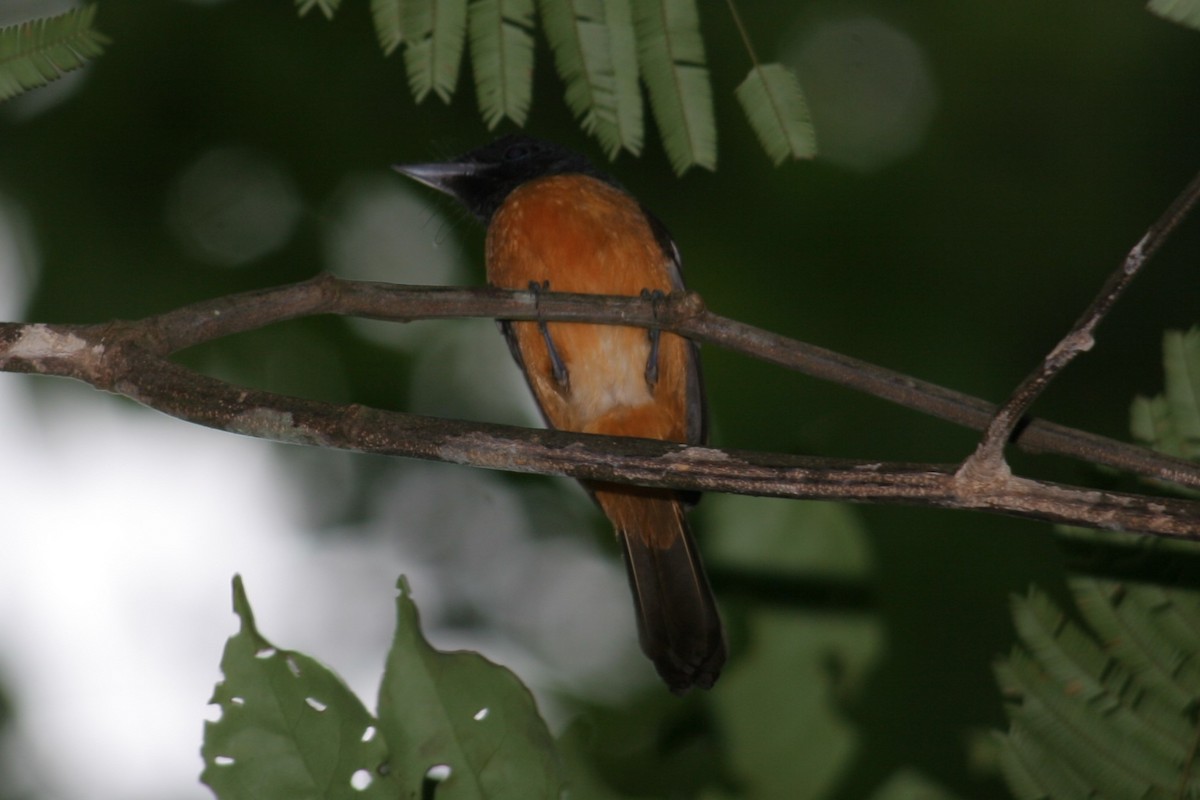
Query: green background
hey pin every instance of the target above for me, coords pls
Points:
(1058, 132)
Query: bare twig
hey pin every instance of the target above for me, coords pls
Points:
(987, 462)
(129, 358)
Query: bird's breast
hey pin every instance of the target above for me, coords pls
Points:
(579, 234)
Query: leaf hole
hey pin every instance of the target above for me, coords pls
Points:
(369, 733)
(361, 780)
(481, 714)
(224, 761)
(435, 775)
(293, 666)
(315, 704)
(266, 652)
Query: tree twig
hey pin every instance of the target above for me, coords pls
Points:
(987, 462)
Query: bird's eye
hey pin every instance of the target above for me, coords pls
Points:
(518, 151)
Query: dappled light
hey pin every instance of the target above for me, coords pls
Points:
(232, 206)
(869, 86)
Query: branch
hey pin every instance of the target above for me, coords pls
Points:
(683, 314)
(987, 461)
(130, 358)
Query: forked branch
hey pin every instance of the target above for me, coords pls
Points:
(987, 462)
(132, 359)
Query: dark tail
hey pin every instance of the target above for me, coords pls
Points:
(678, 624)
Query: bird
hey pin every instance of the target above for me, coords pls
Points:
(554, 222)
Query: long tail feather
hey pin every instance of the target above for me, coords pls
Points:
(678, 624)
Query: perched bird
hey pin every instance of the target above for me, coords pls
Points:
(556, 223)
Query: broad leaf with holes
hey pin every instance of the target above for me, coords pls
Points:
(458, 719)
(289, 727)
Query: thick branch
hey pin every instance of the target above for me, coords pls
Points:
(683, 314)
(129, 358)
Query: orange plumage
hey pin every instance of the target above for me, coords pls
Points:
(555, 223)
(601, 244)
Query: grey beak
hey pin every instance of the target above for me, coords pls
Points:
(440, 176)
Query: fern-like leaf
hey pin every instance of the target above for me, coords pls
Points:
(1170, 422)
(34, 53)
(1185, 12)
(671, 54)
(626, 91)
(775, 105)
(434, 31)
(386, 15)
(502, 58)
(1108, 710)
(595, 53)
(326, 7)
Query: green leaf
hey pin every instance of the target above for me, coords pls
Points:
(774, 104)
(289, 727)
(595, 53)
(627, 93)
(502, 56)
(34, 53)
(1170, 423)
(461, 711)
(1107, 709)
(1185, 12)
(326, 7)
(387, 16)
(671, 54)
(434, 31)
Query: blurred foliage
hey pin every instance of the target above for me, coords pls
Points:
(600, 48)
(1170, 422)
(1103, 697)
(34, 53)
(986, 165)
(1185, 12)
(1104, 706)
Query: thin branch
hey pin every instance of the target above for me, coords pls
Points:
(987, 462)
(737, 22)
(127, 358)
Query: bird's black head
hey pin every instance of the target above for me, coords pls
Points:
(482, 178)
